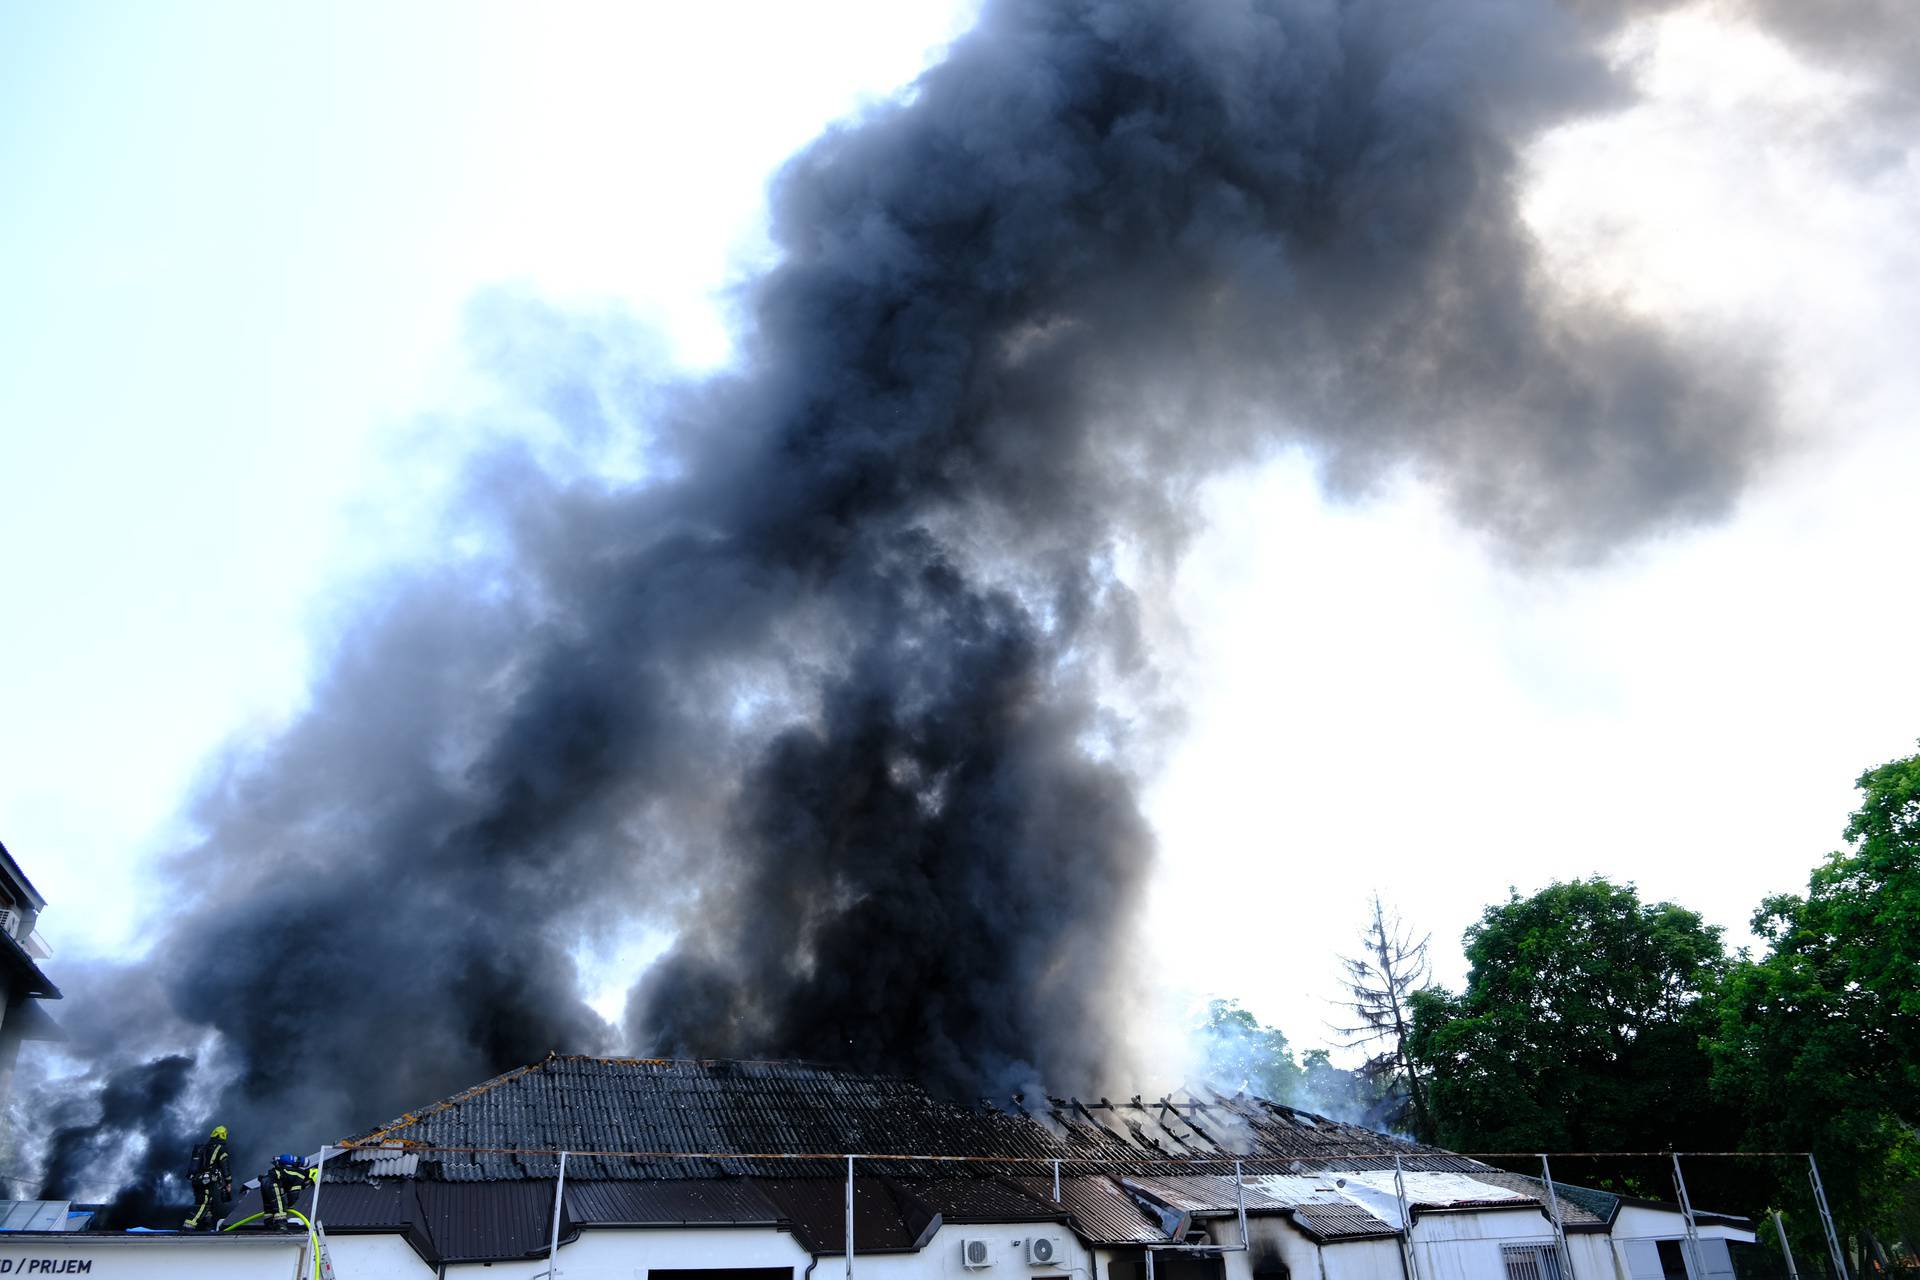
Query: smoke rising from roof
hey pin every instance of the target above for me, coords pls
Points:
(848, 688)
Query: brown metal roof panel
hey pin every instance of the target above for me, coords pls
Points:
(1325, 1223)
(885, 1218)
(680, 1202)
(1101, 1213)
(979, 1200)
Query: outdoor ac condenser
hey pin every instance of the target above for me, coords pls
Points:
(974, 1254)
(1043, 1251)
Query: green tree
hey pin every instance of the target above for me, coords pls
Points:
(1242, 1054)
(1580, 1028)
(1818, 1040)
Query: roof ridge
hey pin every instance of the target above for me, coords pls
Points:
(631, 1060)
(381, 1133)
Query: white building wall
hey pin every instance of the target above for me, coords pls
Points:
(116, 1257)
(1640, 1222)
(1361, 1260)
(1279, 1238)
(1590, 1253)
(1460, 1246)
(613, 1254)
(381, 1257)
(1466, 1246)
(941, 1259)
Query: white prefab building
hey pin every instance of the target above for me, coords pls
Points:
(737, 1171)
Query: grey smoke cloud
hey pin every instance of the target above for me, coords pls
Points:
(828, 689)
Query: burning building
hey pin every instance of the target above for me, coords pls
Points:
(838, 678)
(595, 1168)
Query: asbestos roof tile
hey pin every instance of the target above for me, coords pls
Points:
(659, 1118)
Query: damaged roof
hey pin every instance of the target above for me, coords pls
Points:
(661, 1143)
(670, 1118)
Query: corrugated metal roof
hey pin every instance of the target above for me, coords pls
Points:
(497, 1222)
(1205, 1194)
(1348, 1221)
(679, 1202)
(1101, 1212)
(966, 1200)
(887, 1218)
(1375, 1189)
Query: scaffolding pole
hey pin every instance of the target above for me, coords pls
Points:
(1694, 1260)
(1826, 1219)
(1559, 1228)
(319, 1176)
(849, 1235)
(1406, 1220)
(1786, 1250)
(559, 1199)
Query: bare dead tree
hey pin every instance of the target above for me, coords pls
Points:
(1391, 967)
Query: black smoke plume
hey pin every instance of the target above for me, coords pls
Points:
(848, 688)
(135, 1130)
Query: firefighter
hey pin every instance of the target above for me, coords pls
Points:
(211, 1177)
(281, 1187)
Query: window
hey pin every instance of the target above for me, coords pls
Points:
(1532, 1262)
(1673, 1259)
(720, 1273)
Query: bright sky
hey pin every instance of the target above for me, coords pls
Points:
(235, 245)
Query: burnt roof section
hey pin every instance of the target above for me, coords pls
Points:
(689, 1119)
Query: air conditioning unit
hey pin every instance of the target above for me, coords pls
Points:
(1043, 1251)
(974, 1254)
(10, 921)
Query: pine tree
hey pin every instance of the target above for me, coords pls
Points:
(1379, 983)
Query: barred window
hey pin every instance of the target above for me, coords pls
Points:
(1532, 1262)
